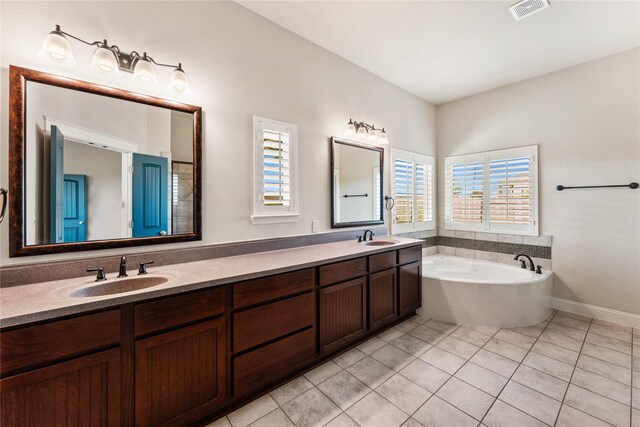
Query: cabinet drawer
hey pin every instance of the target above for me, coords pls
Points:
(43, 343)
(412, 254)
(259, 325)
(177, 310)
(262, 367)
(383, 261)
(269, 288)
(341, 271)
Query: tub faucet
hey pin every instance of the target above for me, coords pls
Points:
(123, 267)
(364, 236)
(531, 264)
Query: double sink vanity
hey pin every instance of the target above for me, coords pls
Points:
(190, 340)
(196, 339)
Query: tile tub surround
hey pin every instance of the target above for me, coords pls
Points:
(485, 246)
(23, 274)
(465, 375)
(47, 300)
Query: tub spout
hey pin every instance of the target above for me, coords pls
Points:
(532, 266)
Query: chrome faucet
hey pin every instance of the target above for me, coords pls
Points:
(364, 236)
(532, 266)
(123, 267)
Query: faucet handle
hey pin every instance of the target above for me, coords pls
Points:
(371, 235)
(359, 239)
(539, 269)
(523, 264)
(101, 276)
(143, 267)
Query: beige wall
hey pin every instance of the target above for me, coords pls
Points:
(586, 120)
(239, 64)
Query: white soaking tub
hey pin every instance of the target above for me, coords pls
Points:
(468, 291)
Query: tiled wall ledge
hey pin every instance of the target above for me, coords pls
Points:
(23, 274)
(485, 246)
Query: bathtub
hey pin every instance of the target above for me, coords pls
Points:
(482, 293)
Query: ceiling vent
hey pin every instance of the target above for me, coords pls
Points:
(526, 8)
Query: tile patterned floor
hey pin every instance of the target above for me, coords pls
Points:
(567, 371)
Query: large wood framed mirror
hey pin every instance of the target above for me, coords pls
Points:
(356, 184)
(94, 167)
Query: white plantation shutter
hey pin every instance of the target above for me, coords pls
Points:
(403, 190)
(413, 191)
(466, 187)
(424, 192)
(494, 191)
(275, 171)
(276, 168)
(377, 192)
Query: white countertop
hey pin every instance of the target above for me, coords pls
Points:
(47, 300)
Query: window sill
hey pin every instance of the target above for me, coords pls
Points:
(275, 218)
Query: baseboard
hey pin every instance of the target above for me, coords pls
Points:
(601, 313)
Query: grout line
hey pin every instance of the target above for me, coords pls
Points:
(453, 376)
(572, 372)
(514, 372)
(591, 391)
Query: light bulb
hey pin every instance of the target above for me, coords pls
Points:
(382, 137)
(362, 131)
(351, 128)
(179, 81)
(144, 70)
(105, 61)
(373, 134)
(56, 48)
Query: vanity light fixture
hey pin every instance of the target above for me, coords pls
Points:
(366, 130)
(110, 59)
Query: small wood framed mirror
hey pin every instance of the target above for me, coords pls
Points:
(94, 167)
(356, 184)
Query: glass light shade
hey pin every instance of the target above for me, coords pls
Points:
(105, 61)
(145, 71)
(179, 81)
(362, 131)
(383, 138)
(351, 128)
(372, 134)
(56, 47)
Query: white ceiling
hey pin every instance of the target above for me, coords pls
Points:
(445, 50)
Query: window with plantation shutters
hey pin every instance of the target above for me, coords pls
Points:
(494, 191)
(413, 192)
(275, 171)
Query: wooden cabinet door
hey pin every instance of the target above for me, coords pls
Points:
(342, 313)
(383, 301)
(80, 392)
(180, 374)
(410, 287)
